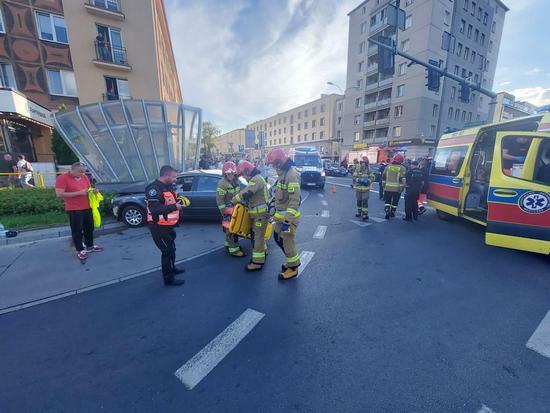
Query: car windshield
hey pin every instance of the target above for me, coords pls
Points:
(307, 161)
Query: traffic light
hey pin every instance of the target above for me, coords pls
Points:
(434, 77)
(386, 57)
(464, 93)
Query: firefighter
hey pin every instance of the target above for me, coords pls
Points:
(256, 197)
(163, 212)
(362, 178)
(287, 202)
(227, 188)
(414, 182)
(394, 183)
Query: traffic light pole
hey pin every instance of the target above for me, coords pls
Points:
(442, 72)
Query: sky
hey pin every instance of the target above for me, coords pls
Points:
(245, 60)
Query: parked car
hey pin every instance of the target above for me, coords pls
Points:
(199, 186)
(335, 170)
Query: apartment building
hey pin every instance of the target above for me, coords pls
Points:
(398, 112)
(506, 107)
(313, 124)
(57, 53)
(232, 142)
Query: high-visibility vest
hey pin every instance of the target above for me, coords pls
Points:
(169, 219)
(95, 199)
(393, 178)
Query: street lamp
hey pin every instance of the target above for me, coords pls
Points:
(335, 85)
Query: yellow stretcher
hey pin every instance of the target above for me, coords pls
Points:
(240, 223)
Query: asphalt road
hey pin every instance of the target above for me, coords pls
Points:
(390, 317)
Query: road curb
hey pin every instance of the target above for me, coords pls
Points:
(92, 287)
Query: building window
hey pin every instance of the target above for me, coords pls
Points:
(2, 29)
(314, 110)
(299, 115)
(398, 111)
(322, 107)
(363, 27)
(400, 90)
(459, 49)
(291, 130)
(490, 45)
(340, 106)
(107, 4)
(360, 84)
(109, 45)
(482, 39)
(356, 136)
(463, 115)
(62, 82)
(339, 120)
(466, 4)
(450, 114)
(402, 69)
(357, 119)
(462, 26)
(408, 21)
(397, 131)
(476, 35)
(305, 125)
(306, 114)
(435, 109)
(305, 137)
(432, 131)
(321, 135)
(360, 66)
(299, 126)
(473, 58)
(473, 12)
(457, 70)
(485, 18)
(313, 122)
(7, 79)
(312, 136)
(457, 114)
(357, 103)
(51, 27)
(408, 2)
(361, 47)
(447, 19)
(466, 53)
(405, 45)
(322, 122)
(470, 30)
(494, 27)
(453, 92)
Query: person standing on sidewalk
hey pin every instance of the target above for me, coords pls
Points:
(163, 213)
(414, 181)
(73, 188)
(287, 202)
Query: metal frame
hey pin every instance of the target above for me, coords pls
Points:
(129, 126)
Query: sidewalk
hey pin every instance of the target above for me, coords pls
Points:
(48, 268)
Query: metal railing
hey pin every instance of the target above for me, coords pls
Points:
(114, 96)
(110, 5)
(106, 52)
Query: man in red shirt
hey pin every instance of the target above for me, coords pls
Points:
(73, 187)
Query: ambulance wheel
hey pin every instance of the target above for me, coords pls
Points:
(133, 216)
(443, 215)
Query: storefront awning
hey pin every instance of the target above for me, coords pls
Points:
(15, 105)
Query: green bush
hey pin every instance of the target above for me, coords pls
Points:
(21, 201)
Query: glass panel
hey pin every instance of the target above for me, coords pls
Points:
(112, 5)
(122, 88)
(100, 3)
(207, 183)
(73, 131)
(448, 161)
(136, 117)
(54, 81)
(45, 26)
(7, 78)
(116, 45)
(69, 82)
(60, 29)
(514, 152)
(158, 132)
(175, 135)
(96, 125)
(191, 128)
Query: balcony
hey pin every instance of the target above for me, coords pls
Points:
(372, 86)
(382, 102)
(105, 8)
(378, 26)
(110, 56)
(383, 121)
(369, 123)
(385, 82)
(372, 68)
(370, 105)
(372, 50)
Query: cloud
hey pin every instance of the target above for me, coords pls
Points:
(506, 83)
(534, 71)
(242, 63)
(538, 96)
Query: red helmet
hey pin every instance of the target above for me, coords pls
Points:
(245, 168)
(365, 159)
(276, 156)
(398, 158)
(229, 168)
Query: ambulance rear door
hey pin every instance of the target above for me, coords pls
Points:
(519, 193)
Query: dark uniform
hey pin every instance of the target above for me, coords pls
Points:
(162, 217)
(414, 179)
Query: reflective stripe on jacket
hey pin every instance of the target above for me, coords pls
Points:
(393, 178)
(225, 191)
(287, 196)
(169, 219)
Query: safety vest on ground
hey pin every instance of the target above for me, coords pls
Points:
(394, 175)
(169, 219)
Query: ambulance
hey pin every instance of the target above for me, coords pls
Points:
(497, 176)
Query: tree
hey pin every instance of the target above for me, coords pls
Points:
(64, 155)
(209, 132)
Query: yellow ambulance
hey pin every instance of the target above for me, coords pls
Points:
(498, 176)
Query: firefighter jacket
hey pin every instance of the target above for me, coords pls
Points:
(394, 178)
(255, 195)
(161, 204)
(287, 194)
(225, 192)
(362, 178)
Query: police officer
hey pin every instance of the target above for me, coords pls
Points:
(362, 178)
(227, 188)
(287, 202)
(163, 212)
(256, 196)
(394, 183)
(414, 179)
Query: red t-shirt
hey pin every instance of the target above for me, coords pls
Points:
(71, 184)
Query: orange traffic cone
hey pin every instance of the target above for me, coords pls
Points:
(333, 189)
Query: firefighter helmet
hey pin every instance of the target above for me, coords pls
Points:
(277, 157)
(229, 168)
(245, 167)
(365, 159)
(398, 158)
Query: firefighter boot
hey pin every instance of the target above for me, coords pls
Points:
(289, 273)
(358, 213)
(238, 254)
(387, 209)
(252, 266)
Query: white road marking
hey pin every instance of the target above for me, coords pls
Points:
(361, 223)
(307, 194)
(305, 259)
(485, 409)
(324, 203)
(540, 340)
(376, 219)
(320, 232)
(325, 214)
(202, 363)
(321, 195)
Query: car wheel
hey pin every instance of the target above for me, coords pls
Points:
(443, 215)
(133, 216)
